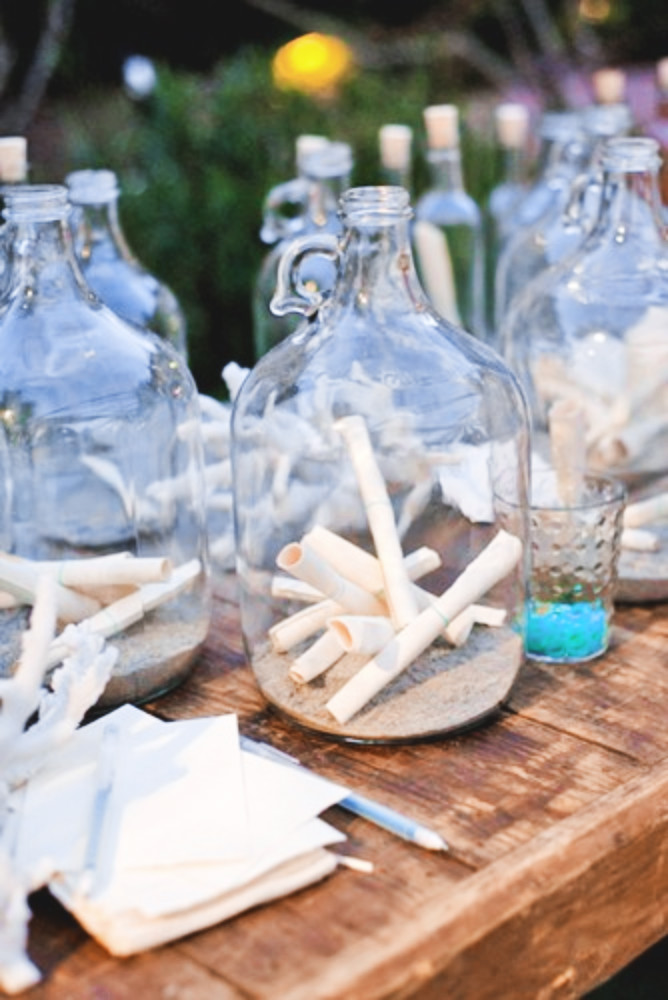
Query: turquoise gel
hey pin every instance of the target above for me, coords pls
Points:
(562, 632)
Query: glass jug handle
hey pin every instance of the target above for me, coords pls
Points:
(292, 295)
(284, 209)
(581, 188)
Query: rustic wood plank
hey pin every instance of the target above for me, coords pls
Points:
(619, 701)
(556, 813)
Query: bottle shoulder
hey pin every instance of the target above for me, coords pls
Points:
(448, 208)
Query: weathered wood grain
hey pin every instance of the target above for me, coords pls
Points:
(557, 817)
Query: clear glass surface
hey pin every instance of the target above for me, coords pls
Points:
(325, 174)
(110, 268)
(525, 250)
(444, 416)
(593, 328)
(95, 456)
(572, 210)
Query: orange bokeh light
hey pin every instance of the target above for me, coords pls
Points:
(314, 64)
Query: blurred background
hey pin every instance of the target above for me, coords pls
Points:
(200, 127)
(184, 100)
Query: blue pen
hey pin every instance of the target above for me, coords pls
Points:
(374, 812)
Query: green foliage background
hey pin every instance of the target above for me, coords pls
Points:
(196, 159)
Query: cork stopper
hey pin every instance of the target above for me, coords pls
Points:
(609, 85)
(442, 124)
(13, 159)
(395, 146)
(512, 125)
(662, 74)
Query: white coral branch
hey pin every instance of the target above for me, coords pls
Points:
(75, 687)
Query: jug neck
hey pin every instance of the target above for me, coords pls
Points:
(41, 260)
(445, 169)
(512, 167)
(95, 221)
(327, 172)
(562, 145)
(376, 248)
(630, 200)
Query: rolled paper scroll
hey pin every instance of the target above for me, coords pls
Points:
(290, 589)
(366, 570)
(290, 631)
(397, 585)
(361, 566)
(625, 444)
(554, 383)
(37, 639)
(186, 485)
(19, 577)
(181, 577)
(108, 578)
(646, 511)
(640, 540)
(130, 609)
(435, 263)
(459, 629)
(318, 658)
(484, 614)
(567, 426)
(489, 566)
(364, 634)
(647, 360)
(298, 559)
(109, 621)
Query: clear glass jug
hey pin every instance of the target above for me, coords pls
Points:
(101, 475)
(366, 450)
(325, 175)
(565, 222)
(593, 328)
(522, 254)
(109, 266)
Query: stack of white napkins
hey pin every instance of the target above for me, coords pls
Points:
(194, 830)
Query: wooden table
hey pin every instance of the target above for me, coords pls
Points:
(557, 817)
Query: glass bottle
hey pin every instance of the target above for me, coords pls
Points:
(556, 130)
(564, 224)
(97, 458)
(563, 159)
(448, 231)
(593, 328)
(326, 175)
(285, 206)
(13, 170)
(109, 266)
(395, 144)
(657, 127)
(369, 440)
(511, 127)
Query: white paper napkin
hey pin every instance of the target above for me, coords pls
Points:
(193, 828)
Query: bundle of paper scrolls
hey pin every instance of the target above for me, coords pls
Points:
(369, 604)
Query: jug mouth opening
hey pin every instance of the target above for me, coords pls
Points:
(333, 159)
(92, 187)
(35, 202)
(375, 205)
